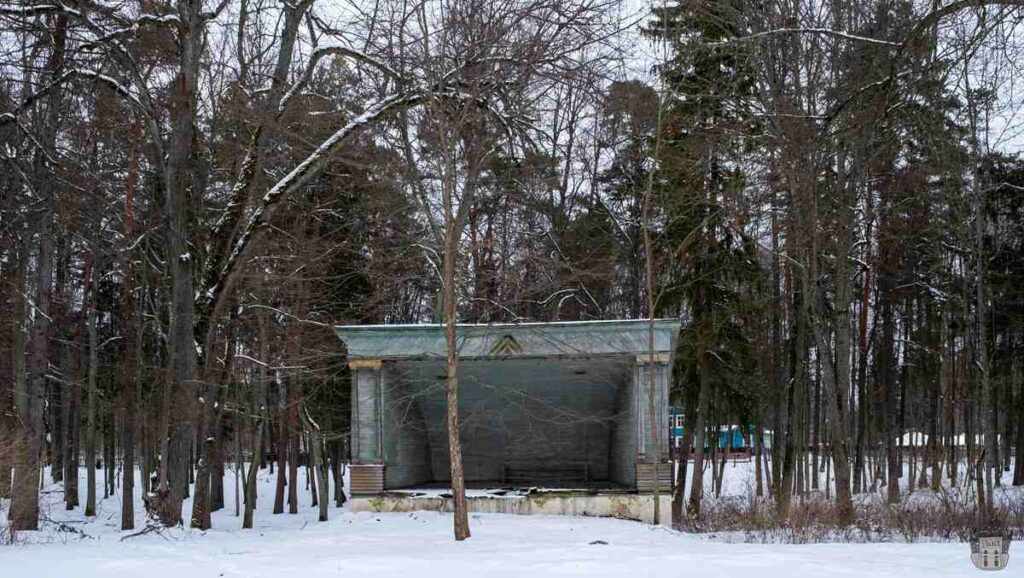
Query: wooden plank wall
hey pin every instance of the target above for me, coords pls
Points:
(366, 479)
(645, 477)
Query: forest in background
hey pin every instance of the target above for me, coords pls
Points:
(829, 194)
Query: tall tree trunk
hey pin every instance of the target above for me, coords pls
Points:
(281, 449)
(452, 235)
(1018, 464)
(12, 356)
(206, 438)
(219, 433)
(239, 463)
(684, 452)
(109, 453)
(311, 475)
(935, 404)
(791, 433)
(653, 414)
(260, 397)
(55, 389)
(699, 439)
(179, 188)
(338, 472)
(294, 401)
(836, 370)
(755, 437)
(982, 361)
(777, 357)
(891, 405)
(250, 479)
(862, 378)
(74, 421)
(91, 401)
(319, 464)
(888, 254)
(28, 400)
(131, 341)
(217, 468)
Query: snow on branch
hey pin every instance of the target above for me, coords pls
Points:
(818, 31)
(12, 10)
(156, 19)
(15, 10)
(333, 51)
(113, 83)
(211, 296)
(133, 27)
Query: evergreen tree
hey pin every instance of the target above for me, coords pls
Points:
(712, 269)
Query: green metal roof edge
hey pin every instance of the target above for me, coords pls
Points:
(558, 338)
(602, 324)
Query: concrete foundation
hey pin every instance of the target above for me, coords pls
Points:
(626, 506)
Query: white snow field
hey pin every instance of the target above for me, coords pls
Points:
(420, 545)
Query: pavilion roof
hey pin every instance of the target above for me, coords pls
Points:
(512, 340)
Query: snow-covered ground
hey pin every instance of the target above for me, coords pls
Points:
(420, 545)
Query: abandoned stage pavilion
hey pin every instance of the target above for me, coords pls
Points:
(555, 417)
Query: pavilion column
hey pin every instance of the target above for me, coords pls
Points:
(652, 448)
(367, 469)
